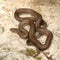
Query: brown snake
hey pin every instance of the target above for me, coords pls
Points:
(33, 27)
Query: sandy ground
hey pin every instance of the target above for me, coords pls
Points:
(11, 44)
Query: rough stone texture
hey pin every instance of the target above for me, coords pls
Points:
(11, 44)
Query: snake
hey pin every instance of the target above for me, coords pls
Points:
(35, 22)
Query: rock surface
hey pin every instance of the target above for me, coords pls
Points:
(11, 44)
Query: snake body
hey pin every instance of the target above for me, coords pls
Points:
(19, 12)
(35, 22)
(36, 42)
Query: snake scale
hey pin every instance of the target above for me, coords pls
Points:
(36, 23)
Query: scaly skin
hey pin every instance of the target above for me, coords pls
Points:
(35, 22)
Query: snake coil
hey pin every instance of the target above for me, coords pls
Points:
(36, 23)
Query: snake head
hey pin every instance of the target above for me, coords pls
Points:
(15, 30)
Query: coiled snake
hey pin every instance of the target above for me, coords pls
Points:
(36, 23)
